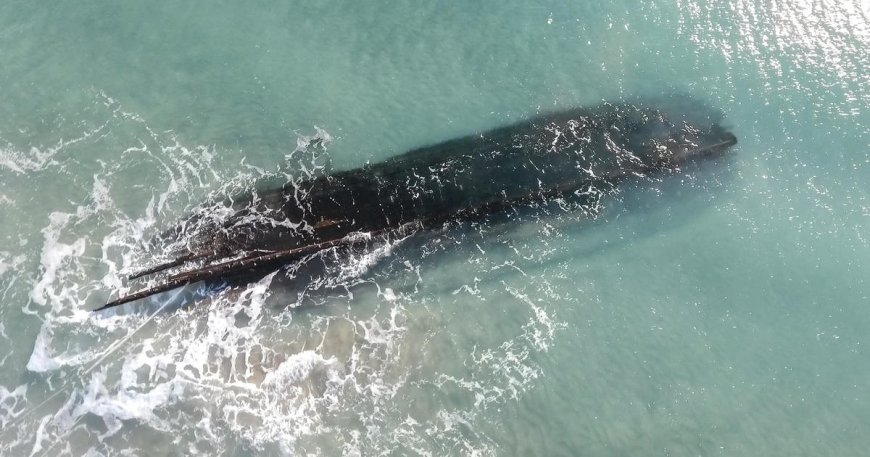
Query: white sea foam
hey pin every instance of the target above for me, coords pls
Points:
(125, 404)
(297, 368)
(56, 256)
(40, 359)
(38, 159)
(235, 369)
(12, 264)
(11, 403)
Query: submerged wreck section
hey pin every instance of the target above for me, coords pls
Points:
(584, 152)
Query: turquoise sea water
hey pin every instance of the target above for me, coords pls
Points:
(720, 312)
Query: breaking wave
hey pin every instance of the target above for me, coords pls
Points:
(367, 356)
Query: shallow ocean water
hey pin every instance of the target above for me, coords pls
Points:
(723, 311)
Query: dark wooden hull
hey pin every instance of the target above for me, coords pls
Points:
(572, 151)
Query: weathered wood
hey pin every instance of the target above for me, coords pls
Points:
(461, 179)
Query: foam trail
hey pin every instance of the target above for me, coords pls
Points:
(245, 367)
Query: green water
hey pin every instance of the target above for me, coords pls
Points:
(721, 312)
